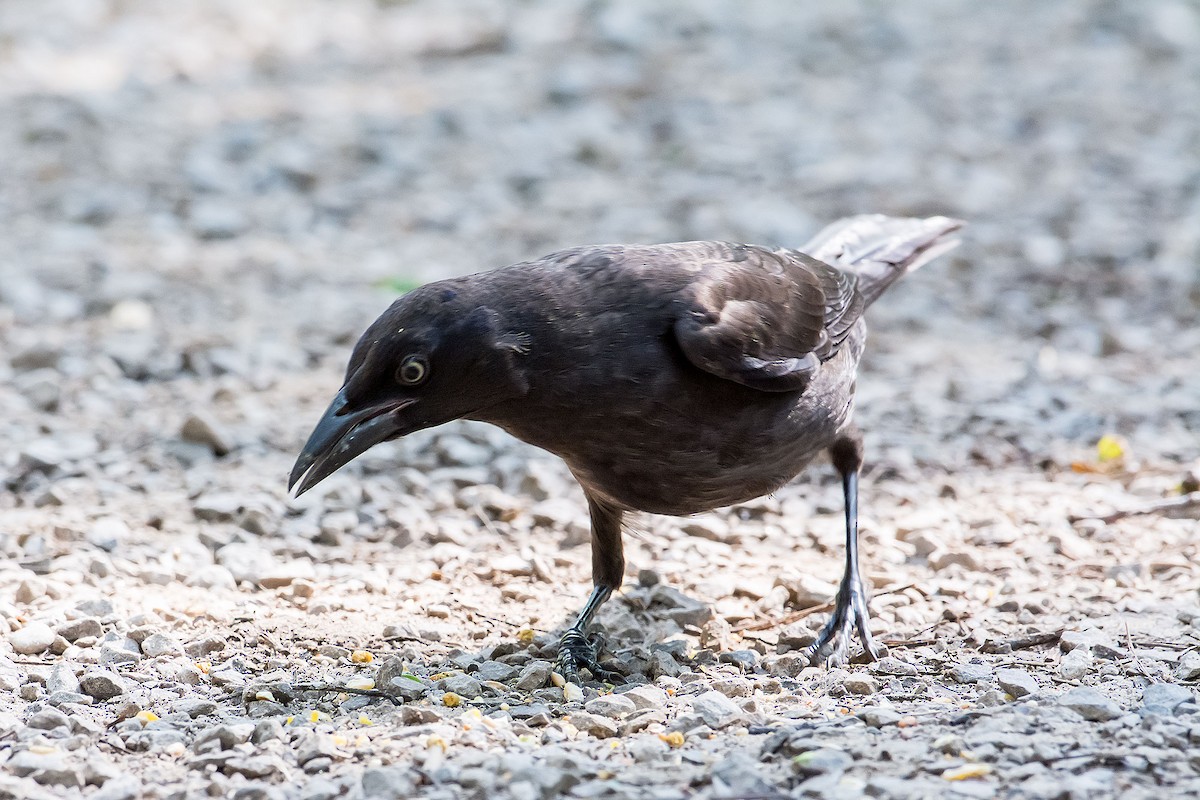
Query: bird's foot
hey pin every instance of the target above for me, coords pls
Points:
(832, 647)
(575, 652)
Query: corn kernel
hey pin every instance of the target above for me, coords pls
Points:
(451, 700)
(361, 657)
(525, 636)
(146, 717)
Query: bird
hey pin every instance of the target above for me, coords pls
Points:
(671, 378)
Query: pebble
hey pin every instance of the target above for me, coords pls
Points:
(823, 760)
(971, 672)
(858, 683)
(716, 709)
(534, 675)
(462, 685)
(495, 671)
(879, 716)
(62, 678)
(200, 428)
(102, 684)
(1164, 698)
(1016, 682)
(890, 665)
(646, 697)
(79, 628)
(610, 705)
(1090, 704)
(48, 769)
(159, 644)
(34, 638)
(1075, 664)
(599, 726)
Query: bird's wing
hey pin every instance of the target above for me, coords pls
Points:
(765, 319)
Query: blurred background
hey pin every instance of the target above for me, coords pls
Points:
(230, 191)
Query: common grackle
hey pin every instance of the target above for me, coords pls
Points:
(671, 379)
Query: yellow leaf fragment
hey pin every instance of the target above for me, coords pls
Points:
(363, 719)
(525, 636)
(967, 772)
(674, 738)
(1109, 448)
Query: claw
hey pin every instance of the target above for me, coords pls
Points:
(832, 646)
(575, 652)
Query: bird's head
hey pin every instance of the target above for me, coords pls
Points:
(432, 357)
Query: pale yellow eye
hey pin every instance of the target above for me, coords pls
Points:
(412, 370)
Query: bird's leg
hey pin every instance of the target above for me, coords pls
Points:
(575, 651)
(850, 609)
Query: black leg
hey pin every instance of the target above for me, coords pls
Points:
(850, 614)
(575, 652)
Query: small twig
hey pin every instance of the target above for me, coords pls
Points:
(330, 689)
(1133, 652)
(1022, 643)
(116, 747)
(1184, 503)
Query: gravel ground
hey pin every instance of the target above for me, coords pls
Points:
(203, 205)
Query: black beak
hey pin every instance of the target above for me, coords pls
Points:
(340, 437)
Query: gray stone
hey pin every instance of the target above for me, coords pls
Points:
(1164, 698)
(201, 428)
(646, 696)
(390, 678)
(48, 769)
(62, 679)
(674, 604)
(1086, 639)
(890, 665)
(102, 684)
(1075, 664)
(462, 685)
(1188, 667)
(610, 705)
(1090, 704)
(48, 719)
(159, 644)
(77, 629)
(1016, 682)
(388, 783)
(716, 709)
(970, 672)
(596, 725)
(495, 671)
(823, 760)
(859, 683)
(879, 716)
(534, 675)
(746, 660)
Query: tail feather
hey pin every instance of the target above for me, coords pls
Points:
(879, 249)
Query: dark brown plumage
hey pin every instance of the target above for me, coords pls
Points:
(672, 379)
